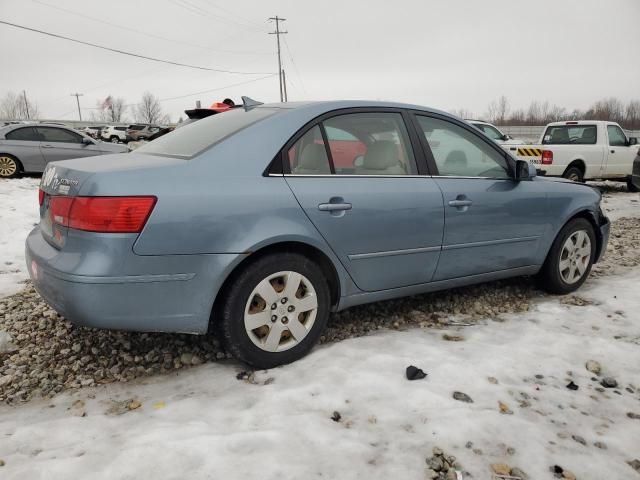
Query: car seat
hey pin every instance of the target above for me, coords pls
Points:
(381, 159)
(455, 163)
(560, 135)
(313, 161)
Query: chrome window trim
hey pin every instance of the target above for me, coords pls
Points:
(390, 253)
(323, 175)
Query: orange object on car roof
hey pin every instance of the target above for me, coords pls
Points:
(219, 107)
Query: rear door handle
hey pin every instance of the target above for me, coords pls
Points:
(460, 203)
(334, 207)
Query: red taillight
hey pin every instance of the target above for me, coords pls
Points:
(40, 196)
(547, 157)
(102, 214)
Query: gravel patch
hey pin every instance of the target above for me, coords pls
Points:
(45, 354)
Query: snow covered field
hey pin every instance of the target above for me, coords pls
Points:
(205, 423)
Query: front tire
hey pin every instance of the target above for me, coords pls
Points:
(570, 259)
(275, 310)
(9, 166)
(574, 174)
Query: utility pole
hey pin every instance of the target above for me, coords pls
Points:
(26, 104)
(78, 95)
(284, 86)
(277, 33)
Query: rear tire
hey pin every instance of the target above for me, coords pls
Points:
(574, 174)
(114, 139)
(275, 310)
(570, 259)
(10, 166)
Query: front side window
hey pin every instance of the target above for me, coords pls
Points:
(492, 132)
(58, 135)
(374, 143)
(458, 152)
(308, 156)
(616, 136)
(25, 134)
(570, 134)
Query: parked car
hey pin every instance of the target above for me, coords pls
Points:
(114, 134)
(93, 130)
(494, 133)
(158, 134)
(135, 132)
(219, 223)
(29, 148)
(582, 150)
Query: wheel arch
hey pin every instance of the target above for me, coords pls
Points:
(579, 163)
(592, 218)
(305, 249)
(20, 165)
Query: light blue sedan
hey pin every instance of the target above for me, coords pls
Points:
(262, 220)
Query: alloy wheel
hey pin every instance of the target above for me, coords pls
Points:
(280, 311)
(8, 167)
(575, 257)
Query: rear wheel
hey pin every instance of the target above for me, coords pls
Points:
(275, 310)
(114, 139)
(574, 174)
(9, 166)
(570, 259)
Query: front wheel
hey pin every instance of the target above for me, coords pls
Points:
(570, 259)
(9, 166)
(275, 310)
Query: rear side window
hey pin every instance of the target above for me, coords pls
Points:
(24, 134)
(308, 156)
(191, 139)
(136, 127)
(570, 134)
(616, 136)
(50, 134)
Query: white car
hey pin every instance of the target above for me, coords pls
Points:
(494, 133)
(114, 134)
(582, 150)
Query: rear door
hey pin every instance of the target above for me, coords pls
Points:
(620, 155)
(381, 218)
(24, 144)
(492, 222)
(62, 144)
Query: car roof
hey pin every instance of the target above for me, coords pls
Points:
(580, 122)
(340, 104)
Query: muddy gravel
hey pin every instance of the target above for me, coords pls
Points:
(45, 354)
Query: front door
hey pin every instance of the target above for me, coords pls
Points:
(492, 222)
(62, 144)
(382, 220)
(619, 154)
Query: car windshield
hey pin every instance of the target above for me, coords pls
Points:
(570, 134)
(187, 141)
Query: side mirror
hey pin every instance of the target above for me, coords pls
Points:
(87, 141)
(633, 141)
(506, 137)
(524, 170)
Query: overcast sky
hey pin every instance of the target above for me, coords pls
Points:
(449, 54)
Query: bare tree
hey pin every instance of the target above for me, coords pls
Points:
(111, 109)
(632, 115)
(498, 109)
(149, 110)
(462, 113)
(13, 107)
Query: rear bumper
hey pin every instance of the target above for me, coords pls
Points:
(164, 296)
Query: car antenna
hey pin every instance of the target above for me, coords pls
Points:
(248, 103)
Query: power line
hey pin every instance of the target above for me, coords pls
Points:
(200, 11)
(219, 88)
(122, 52)
(286, 44)
(147, 34)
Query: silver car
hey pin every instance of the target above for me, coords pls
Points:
(28, 148)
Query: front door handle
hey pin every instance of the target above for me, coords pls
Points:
(334, 207)
(460, 203)
(613, 151)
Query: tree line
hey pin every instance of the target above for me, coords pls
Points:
(540, 113)
(15, 106)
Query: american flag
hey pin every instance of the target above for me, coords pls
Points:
(107, 105)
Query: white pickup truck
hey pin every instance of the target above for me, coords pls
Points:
(581, 150)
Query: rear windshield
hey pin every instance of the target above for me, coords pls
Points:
(187, 141)
(570, 134)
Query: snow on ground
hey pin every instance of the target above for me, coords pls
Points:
(18, 214)
(204, 423)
